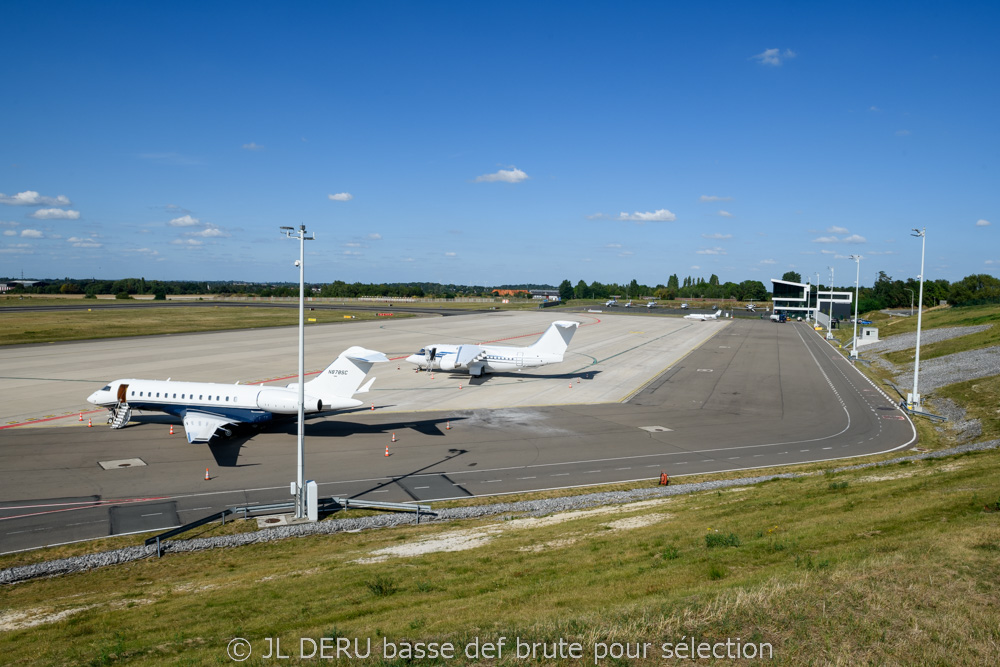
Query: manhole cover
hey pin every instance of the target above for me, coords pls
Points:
(121, 463)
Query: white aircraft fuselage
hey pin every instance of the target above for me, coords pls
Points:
(208, 407)
(702, 317)
(480, 359)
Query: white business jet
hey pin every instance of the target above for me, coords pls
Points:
(629, 304)
(610, 302)
(208, 408)
(703, 317)
(480, 359)
(651, 304)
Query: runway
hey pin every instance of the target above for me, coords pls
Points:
(634, 396)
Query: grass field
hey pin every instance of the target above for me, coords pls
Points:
(54, 326)
(889, 565)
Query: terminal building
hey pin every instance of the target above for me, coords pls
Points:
(801, 300)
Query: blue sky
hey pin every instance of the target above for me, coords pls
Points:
(485, 143)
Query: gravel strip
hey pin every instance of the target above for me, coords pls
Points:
(958, 367)
(522, 508)
(909, 340)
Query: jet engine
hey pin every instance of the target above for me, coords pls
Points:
(284, 402)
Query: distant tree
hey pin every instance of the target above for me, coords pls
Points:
(792, 276)
(159, 293)
(713, 280)
(565, 290)
(673, 283)
(581, 290)
(123, 295)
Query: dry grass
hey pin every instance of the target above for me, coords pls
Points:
(898, 570)
(52, 326)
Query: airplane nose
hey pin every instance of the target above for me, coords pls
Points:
(415, 359)
(92, 399)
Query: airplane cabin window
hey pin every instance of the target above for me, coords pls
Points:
(108, 388)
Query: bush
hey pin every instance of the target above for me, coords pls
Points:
(713, 540)
(123, 295)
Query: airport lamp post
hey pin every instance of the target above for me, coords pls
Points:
(300, 500)
(911, 300)
(829, 326)
(857, 293)
(816, 309)
(915, 397)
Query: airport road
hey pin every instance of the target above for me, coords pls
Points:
(703, 396)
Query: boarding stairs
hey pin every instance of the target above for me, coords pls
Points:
(120, 415)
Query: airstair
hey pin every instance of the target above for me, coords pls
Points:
(120, 415)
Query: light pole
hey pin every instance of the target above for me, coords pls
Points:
(915, 397)
(857, 292)
(290, 232)
(911, 300)
(829, 326)
(816, 310)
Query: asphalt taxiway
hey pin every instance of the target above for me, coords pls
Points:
(635, 395)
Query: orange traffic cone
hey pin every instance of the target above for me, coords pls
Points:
(171, 429)
(90, 423)
(207, 478)
(447, 426)
(459, 385)
(570, 385)
(387, 450)
(393, 438)
(373, 406)
(81, 416)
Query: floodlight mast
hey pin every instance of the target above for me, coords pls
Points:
(300, 499)
(911, 299)
(857, 292)
(915, 397)
(829, 326)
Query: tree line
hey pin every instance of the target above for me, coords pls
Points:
(884, 293)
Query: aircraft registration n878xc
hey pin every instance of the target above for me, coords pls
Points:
(208, 407)
(477, 360)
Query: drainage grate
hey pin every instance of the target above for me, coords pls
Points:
(122, 463)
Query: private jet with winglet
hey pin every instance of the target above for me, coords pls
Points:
(478, 360)
(629, 304)
(208, 408)
(651, 304)
(703, 317)
(611, 302)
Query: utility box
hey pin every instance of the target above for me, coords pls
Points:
(869, 334)
(312, 500)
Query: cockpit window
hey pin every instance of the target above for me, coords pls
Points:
(421, 351)
(107, 388)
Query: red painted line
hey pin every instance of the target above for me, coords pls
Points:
(98, 503)
(47, 419)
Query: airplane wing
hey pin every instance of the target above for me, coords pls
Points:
(466, 354)
(201, 427)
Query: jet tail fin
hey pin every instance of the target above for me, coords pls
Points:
(343, 378)
(556, 339)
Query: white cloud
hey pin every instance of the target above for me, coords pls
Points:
(597, 216)
(341, 196)
(768, 261)
(717, 236)
(990, 261)
(725, 214)
(210, 232)
(375, 236)
(836, 230)
(855, 238)
(774, 57)
(451, 254)
(184, 221)
(659, 215)
(78, 242)
(874, 108)
(707, 198)
(828, 252)
(827, 239)
(252, 147)
(32, 198)
(143, 251)
(9, 232)
(613, 245)
(55, 214)
(625, 253)
(353, 245)
(982, 223)
(512, 175)
(882, 252)
(31, 234)
(352, 253)
(187, 242)
(710, 251)
(695, 267)
(19, 249)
